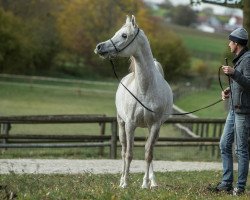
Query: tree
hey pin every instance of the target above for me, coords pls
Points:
(82, 24)
(15, 49)
(242, 4)
(183, 15)
(59, 36)
(37, 19)
(171, 53)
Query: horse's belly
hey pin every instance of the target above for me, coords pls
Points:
(132, 111)
(137, 118)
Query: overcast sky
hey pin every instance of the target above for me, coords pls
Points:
(217, 9)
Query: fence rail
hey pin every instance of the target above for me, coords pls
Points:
(200, 127)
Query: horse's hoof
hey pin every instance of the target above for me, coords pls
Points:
(153, 186)
(144, 186)
(122, 182)
(123, 185)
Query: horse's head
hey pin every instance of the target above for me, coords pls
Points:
(122, 43)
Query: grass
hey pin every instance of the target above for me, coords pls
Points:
(201, 42)
(45, 99)
(193, 100)
(209, 48)
(42, 97)
(23, 97)
(172, 185)
(33, 99)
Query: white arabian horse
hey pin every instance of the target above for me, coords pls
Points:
(147, 83)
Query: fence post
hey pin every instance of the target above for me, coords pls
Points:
(113, 146)
(206, 132)
(102, 132)
(5, 128)
(201, 133)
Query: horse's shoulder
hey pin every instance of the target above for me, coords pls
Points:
(128, 78)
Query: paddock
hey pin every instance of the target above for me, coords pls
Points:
(196, 132)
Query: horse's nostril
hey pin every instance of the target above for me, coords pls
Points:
(99, 46)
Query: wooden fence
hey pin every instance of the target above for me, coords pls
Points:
(201, 127)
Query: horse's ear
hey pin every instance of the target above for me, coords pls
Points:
(133, 21)
(128, 19)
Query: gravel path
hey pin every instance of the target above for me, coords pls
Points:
(65, 166)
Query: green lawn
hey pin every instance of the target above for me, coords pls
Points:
(172, 185)
(44, 98)
(193, 100)
(201, 42)
(32, 99)
(209, 48)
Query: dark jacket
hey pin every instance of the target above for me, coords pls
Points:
(240, 83)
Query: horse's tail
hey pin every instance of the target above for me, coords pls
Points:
(159, 67)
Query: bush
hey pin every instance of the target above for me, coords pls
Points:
(200, 68)
(39, 37)
(15, 52)
(68, 63)
(169, 50)
(183, 15)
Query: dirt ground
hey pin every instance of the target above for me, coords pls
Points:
(65, 166)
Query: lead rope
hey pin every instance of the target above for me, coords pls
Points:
(113, 66)
(186, 113)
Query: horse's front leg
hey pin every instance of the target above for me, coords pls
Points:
(122, 138)
(149, 147)
(129, 151)
(152, 179)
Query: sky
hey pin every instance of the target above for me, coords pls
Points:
(217, 9)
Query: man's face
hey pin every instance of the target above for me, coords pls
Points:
(233, 46)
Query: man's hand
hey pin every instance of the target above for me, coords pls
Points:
(228, 70)
(225, 94)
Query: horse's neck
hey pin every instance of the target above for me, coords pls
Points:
(144, 68)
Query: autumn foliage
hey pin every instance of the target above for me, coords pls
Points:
(55, 37)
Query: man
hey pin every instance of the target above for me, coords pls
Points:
(237, 126)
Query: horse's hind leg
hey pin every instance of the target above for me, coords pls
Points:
(149, 173)
(122, 138)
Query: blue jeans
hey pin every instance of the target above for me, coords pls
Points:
(237, 128)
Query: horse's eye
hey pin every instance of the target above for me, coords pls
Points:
(124, 35)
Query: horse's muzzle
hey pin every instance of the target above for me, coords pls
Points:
(99, 50)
